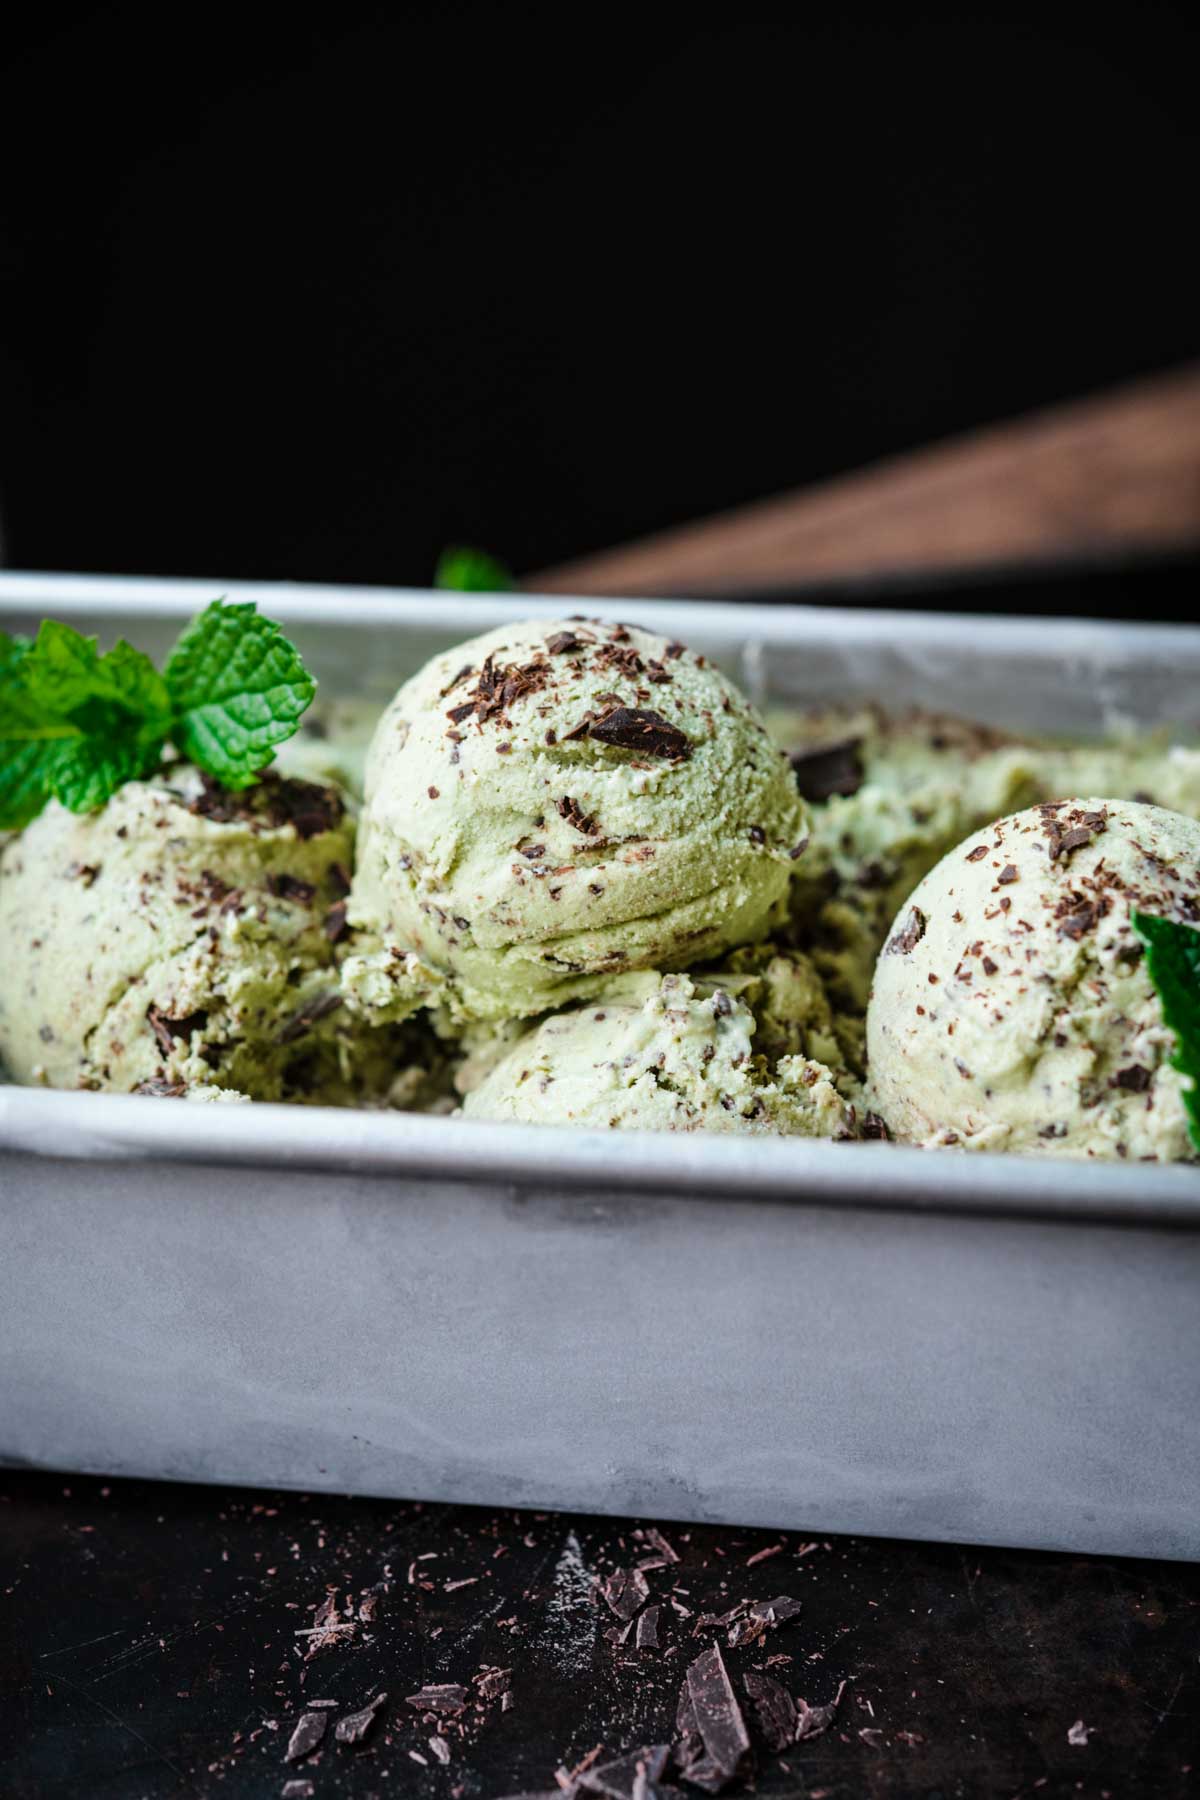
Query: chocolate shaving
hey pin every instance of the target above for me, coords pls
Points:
(1134, 1080)
(907, 939)
(562, 643)
(444, 1697)
(625, 1591)
(166, 1029)
(875, 1127)
(977, 854)
(493, 1683)
(457, 714)
(718, 1716)
(779, 1610)
(774, 1708)
(638, 728)
(307, 1016)
(813, 1720)
(574, 814)
(823, 770)
(290, 887)
(355, 1726)
(1007, 874)
(273, 802)
(335, 926)
(158, 1089)
(306, 1736)
(673, 651)
(1080, 920)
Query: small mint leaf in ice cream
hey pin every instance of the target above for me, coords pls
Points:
(472, 572)
(238, 688)
(1173, 960)
(74, 725)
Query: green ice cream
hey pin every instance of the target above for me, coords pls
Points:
(661, 1053)
(1012, 1008)
(556, 803)
(183, 939)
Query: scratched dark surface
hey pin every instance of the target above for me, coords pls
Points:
(150, 1648)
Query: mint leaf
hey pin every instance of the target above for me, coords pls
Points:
(1173, 961)
(472, 572)
(74, 725)
(238, 688)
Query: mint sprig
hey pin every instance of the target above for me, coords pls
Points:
(1173, 962)
(75, 725)
(472, 572)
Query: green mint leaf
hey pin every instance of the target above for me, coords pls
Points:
(74, 725)
(238, 688)
(1173, 960)
(472, 572)
(64, 673)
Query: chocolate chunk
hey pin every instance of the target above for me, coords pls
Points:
(290, 887)
(647, 1628)
(638, 728)
(718, 1716)
(674, 651)
(444, 1697)
(272, 802)
(306, 1736)
(1007, 874)
(774, 1709)
(907, 939)
(977, 853)
(457, 714)
(782, 1608)
(166, 1029)
(875, 1127)
(562, 643)
(625, 1591)
(335, 926)
(1135, 1079)
(823, 770)
(628, 1776)
(574, 814)
(307, 1016)
(433, 793)
(990, 967)
(1076, 923)
(355, 1726)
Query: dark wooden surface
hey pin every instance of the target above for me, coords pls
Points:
(1112, 474)
(151, 1649)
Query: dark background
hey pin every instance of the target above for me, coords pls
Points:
(315, 298)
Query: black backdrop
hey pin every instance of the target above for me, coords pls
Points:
(312, 299)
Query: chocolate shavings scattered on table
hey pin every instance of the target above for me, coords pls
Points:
(306, 1736)
(718, 1722)
(625, 1591)
(355, 1726)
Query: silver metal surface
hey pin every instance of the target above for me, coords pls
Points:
(837, 1337)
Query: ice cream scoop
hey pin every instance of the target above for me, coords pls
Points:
(556, 803)
(1012, 1008)
(182, 938)
(660, 1053)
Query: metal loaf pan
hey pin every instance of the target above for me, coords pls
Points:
(852, 1338)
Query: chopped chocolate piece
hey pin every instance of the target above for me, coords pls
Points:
(297, 1790)
(990, 967)
(574, 814)
(813, 1720)
(774, 1708)
(162, 1090)
(618, 1780)
(638, 728)
(1076, 923)
(875, 1127)
(84, 872)
(722, 1005)
(823, 770)
(757, 835)
(977, 853)
(355, 1726)
(433, 793)
(166, 1029)
(339, 879)
(444, 1697)
(457, 714)
(777, 1611)
(307, 1016)
(290, 887)
(335, 926)
(467, 669)
(647, 1628)
(493, 1683)
(1135, 1079)
(306, 1736)
(1007, 874)
(625, 1591)
(673, 651)
(551, 736)
(907, 939)
(580, 730)
(718, 1716)
(562, 643)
